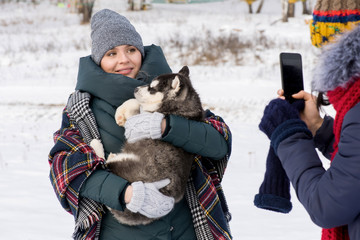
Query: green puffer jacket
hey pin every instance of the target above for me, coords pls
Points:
(108, 92)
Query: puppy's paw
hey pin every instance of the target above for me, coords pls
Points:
(129, 108)
(120, 116)
(120, 119)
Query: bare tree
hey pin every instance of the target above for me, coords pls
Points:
(291, 9)
(285, 8)
(288, 8)
(305, 7)
(250, 2)
(260, 6)
(85, 8)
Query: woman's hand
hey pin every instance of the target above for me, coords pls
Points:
(310, 115)
(277, 112)
(148, 200)
(128, 194)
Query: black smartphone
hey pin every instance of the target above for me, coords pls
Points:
(291, 74)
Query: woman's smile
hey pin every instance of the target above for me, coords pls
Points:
(125, 71)
(123, 59)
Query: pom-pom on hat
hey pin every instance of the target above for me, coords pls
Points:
(110, 29)
(331, 17)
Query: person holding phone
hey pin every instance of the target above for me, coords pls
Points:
(330, 196)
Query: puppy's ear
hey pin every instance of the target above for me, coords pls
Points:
(176, 84)
(185, 71)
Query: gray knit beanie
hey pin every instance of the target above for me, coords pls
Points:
(108, 30)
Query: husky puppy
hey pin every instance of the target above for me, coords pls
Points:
(151, 160)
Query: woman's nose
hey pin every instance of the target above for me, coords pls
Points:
(122, 58)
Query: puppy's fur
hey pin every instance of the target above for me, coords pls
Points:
(151, 160)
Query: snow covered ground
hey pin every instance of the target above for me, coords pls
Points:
(40, 46)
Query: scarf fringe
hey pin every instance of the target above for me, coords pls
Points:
(91, 221)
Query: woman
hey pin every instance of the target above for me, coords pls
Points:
(331, 197)
(118, 64)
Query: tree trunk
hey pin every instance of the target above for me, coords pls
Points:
(131, 5)
(86, 9)
(260, 6)
(305, 7)
(285, 10)
(291, 11)
(250, 8)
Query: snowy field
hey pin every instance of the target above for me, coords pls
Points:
(40, 46)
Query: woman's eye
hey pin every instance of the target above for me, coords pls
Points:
(111, 54)
(131, 50)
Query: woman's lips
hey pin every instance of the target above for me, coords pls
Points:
(124, 71)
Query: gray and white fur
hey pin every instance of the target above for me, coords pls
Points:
(151, 160)
(339, 63)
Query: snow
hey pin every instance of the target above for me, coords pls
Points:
(40, 48)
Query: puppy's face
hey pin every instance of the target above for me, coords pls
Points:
(162, 88)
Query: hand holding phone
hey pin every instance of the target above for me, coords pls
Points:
(291, 74)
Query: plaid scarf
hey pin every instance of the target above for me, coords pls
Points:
(343, 99)
(90, 212)
(204, 193)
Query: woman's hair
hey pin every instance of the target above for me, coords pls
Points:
(321, 100)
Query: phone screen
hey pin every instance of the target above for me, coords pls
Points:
(291, 74)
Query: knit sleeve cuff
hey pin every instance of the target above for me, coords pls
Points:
(272, 202)
(137, 198)
(286, 129)
(155, 125)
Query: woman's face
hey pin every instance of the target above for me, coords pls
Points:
(124, 60)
